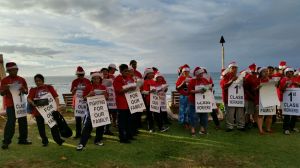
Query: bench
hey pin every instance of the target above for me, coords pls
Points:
(68, 98)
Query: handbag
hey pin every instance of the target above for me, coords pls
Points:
(41, 102)
(64, 129)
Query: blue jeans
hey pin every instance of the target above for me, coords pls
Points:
(194, 117)
(183, 109)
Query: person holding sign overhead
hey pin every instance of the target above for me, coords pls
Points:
(198, 85)
(124, 116)
(289, 81)
(92, 90)
(229, 78)
(35, 94)
(17, 85)
(77, 87)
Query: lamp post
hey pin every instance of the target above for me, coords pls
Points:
(222, 41)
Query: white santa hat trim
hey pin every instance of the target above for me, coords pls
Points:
(288, 69)
(96, 74)
(199, 71)
(148, 70)
(185, 69)
(232, 64)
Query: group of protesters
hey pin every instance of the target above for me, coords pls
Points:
(128, 123)
(246, 113)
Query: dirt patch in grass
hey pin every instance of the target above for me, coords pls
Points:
(26, 164)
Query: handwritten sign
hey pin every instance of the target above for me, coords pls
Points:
(20, 102)
(291, 102)
(80, 105)
(111, 102)
(236, 95)
(203, 102)
(268, 95)
(46, 111)
(98, 110)
(134, 100)
(154, 101)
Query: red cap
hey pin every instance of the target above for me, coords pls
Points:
(80, 71)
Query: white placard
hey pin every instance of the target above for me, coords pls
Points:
(98, 111)
(236, 95)
(111, 102)
(46, 111)
(266, 110)
(19, 100)
(213, 100)
(268, 95)
(163, 101)
(134, 100)
(154, 101)
(203, 102)
(291, 102)
(80, 104)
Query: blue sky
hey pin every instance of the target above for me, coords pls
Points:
(54, 37)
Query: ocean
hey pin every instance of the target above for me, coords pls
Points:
(62, 84)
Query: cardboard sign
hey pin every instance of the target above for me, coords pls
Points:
(266, 110)
(134, 100)
(203, 102)
(80, 105)
(98, 111)
(46, 111)
(163, 101)
(268, 95)
(111, 102)
(20, 102)
(154, 101)
(236, 95)
(291, 102)
(213, 100)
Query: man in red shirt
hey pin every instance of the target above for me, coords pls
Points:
(9, 129)
(228, 78)
(124, 117)
(133, 64)
(112, 68)
(79, 85)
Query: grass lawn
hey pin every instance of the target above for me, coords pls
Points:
(175, 148)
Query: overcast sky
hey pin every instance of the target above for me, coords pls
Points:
(53, 37)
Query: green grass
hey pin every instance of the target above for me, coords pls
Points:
(175, 148)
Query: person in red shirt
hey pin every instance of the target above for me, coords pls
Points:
(148, 83)
(78, 85)
(181, 86)
(112, 68)
(92, 90)
(9, 130)
(124, 116)
(250, 84)
(228, 78)
(198, 80)
(133, 64)
(288, 81)
(263, 78)
(36, 93)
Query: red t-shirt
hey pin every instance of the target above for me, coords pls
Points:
(38, 92)
(251, 82)
(80, 84)
(137, 73)
(192, 84)
(7, 99)
(184, 87)
(226, 79)
(146, 87)
(118, 84)
(93, 87)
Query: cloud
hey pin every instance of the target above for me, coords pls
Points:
(27, 50)
(161, 33)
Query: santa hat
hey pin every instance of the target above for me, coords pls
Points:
(252, 67)
(282, 65)
(80, 71)
(225, 71)
(147, 71)
(288, 69)
(232, 64)
(262, 69)
(96, 73)
(11, 65)
(198, 71)
(185, 68)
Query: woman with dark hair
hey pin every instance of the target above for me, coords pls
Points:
(36, 93)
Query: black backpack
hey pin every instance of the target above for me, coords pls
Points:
(64, 129)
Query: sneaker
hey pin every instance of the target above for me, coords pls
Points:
(286, 132)
(151, 131)
(203, 133)
(4, 146)
(295, 130)
(79, 147)
(26, 142)
(100, 143)
(164, 129)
